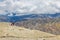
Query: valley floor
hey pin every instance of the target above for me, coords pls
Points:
(8, 32)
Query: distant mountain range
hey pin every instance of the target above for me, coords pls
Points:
(6, 18)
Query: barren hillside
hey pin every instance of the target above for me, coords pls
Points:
(8, 32)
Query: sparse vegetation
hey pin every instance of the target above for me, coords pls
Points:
(49, 25)
(20, 33)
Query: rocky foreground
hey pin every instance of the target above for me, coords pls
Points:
(8, 32)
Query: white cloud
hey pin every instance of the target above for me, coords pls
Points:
(31, 6)
(2, 12)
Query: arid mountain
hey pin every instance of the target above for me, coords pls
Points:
(44, 22)
(50, 25)
(7, 30)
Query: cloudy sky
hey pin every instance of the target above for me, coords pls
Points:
(29, 6)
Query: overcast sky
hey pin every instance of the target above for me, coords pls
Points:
(29, 6)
